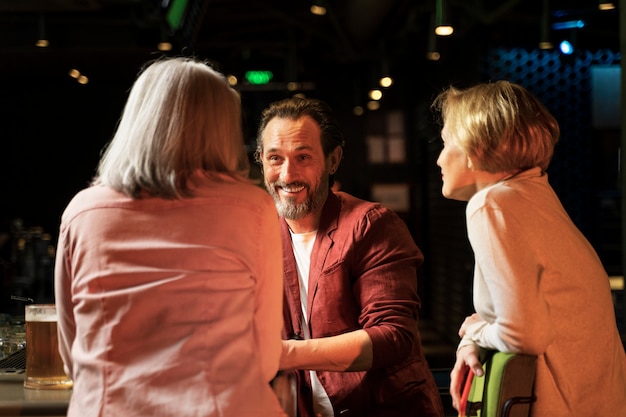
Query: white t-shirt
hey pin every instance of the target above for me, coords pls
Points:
(302, 247)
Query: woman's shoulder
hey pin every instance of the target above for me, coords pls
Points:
(518, 194)
(249, 190)
(94, 195)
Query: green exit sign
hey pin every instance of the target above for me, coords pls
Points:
(259, 77)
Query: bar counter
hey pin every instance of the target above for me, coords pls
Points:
(16, 401)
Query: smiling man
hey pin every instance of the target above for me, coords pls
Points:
(350, 268)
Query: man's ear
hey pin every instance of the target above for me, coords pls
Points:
(334, 159)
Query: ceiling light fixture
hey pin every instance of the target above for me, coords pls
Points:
(358, 109)
(375, 94)
(42, 41)
(566, 47)
(544, 40)
(606, 5)
(164, 44)
(442, 26)
(232, 80)
(432, 53)
(318, 8)
(385, 80)
(80, 78)
(570, 24)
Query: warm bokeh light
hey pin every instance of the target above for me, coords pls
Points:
(546, 45)
(386, 81)
(164, 46)
(606, 5)
(318, 10)
(373, 105)
(433, 56)
(444, 30)
(375, 94)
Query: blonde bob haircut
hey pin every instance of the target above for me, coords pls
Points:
(500, 125)
(181, 117)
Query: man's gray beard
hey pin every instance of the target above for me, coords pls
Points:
(292, 211)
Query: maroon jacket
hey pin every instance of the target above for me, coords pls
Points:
(364, 276)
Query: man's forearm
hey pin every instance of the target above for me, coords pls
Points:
(346, 352)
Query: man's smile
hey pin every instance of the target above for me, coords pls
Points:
(291, 189)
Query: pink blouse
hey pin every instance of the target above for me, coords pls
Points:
(171, 307)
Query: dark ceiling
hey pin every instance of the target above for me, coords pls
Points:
(107, 37)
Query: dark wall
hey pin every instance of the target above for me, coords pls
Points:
(51, 138)
(53, 130)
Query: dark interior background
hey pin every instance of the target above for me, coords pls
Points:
(52, 128)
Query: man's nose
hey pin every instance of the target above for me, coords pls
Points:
(288, 171)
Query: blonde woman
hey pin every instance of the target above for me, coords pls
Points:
(539, 287)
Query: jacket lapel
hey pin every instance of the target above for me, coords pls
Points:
(291, 302)
(323, 244)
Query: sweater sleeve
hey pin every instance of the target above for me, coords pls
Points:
(507, 282)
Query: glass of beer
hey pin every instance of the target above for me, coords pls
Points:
(44, 367)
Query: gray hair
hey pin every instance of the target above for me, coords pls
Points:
(181, 116)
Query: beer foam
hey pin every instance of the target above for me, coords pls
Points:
(42, 313)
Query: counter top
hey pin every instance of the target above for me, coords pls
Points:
(16, 401)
